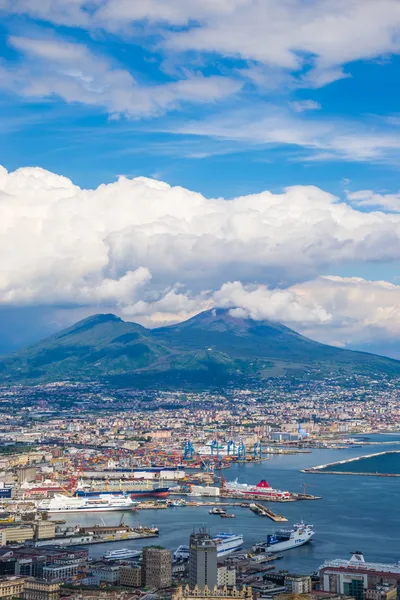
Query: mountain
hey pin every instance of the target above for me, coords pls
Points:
(214, 347)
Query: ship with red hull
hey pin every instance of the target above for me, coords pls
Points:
(261, 491)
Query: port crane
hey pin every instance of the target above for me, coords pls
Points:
(188, 450)
(231, 448)
(257, 450)
(241, 454)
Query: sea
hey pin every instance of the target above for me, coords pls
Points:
(355, 514)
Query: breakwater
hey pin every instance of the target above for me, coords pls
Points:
(334, 468)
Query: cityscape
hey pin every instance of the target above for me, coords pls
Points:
(121, 493)
(199, 300)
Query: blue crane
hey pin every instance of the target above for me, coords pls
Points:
(231, 448)
(257, 450)
(241, 454)
(188, 450)
(214, 446)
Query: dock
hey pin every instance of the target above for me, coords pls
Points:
(263, 511)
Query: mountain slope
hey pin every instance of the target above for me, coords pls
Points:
(214, 347)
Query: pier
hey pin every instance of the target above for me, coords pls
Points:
(327, 470)
(263, 511)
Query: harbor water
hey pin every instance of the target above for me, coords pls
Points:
(355, 513)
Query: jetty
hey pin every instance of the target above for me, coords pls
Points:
(329, 468)
(263, 511)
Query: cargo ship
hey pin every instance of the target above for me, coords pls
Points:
(99, 503)
(262, 491)
(285, 539)
(138, 488)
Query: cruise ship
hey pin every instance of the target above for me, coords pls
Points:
(285, 539)
(121, 554)
(100, 503)
(262, 490)
(134, 488)
(226, 544)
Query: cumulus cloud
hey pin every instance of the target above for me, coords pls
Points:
(141, 240)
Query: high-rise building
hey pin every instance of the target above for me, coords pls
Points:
(157, 567)
(202, 560)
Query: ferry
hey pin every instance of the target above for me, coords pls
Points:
(261, 491)
(286, 539)
(228, 543)
(122, 554)
(100, 503)
(181, 553)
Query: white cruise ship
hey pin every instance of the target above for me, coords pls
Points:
(228, 542)
(121, 554)
(103, 502)
(285, 539)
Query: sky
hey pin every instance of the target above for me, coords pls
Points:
(161, 157)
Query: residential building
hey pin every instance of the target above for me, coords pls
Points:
(185, 593)
(157, 567)
(106, 574)
(11, 587)
(226, 576)
(202, 561)
(64, 571)
(386, 591)
(37, 589)
(299, 584)
(130, 576)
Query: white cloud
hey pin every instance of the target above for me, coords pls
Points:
(371, 199)
(70, 71)
(302, 105)
(139, 239)
(321, 36)
(156, 254)
(266, 124)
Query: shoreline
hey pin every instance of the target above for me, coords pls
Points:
(326, 470)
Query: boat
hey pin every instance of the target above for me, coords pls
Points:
(217, 511)
(135, 488)
(228, 543)
(121, 554)
(261, 491)
(99, 503)
(286, 539)
(228, 516)
(181, 553)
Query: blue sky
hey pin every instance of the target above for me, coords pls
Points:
(51, 107)
(227, 98)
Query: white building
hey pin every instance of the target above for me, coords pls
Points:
(226, 576)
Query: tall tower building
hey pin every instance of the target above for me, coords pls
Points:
(202, 560)
(157, 567)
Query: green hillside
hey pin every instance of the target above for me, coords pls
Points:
(212, 348)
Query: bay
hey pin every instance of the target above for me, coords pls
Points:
(356, 513)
